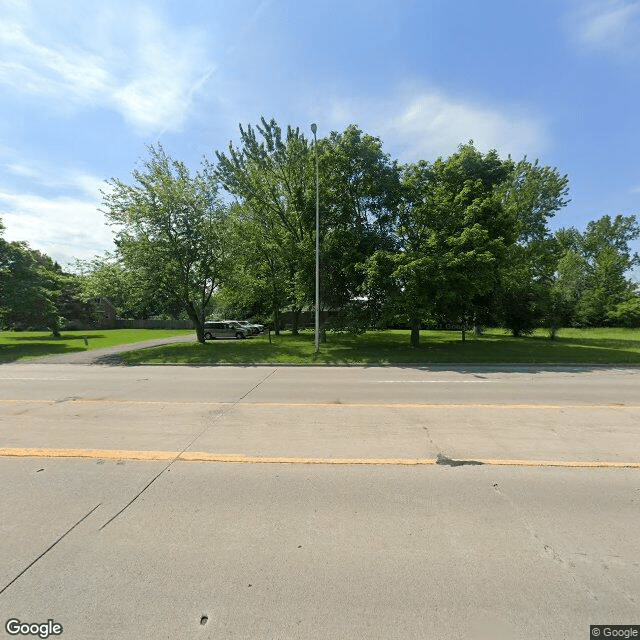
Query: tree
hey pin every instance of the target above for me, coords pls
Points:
(360, 195)
(72, 306)
(127, 290)
(273, 180)
(452, 232)
(28, 289)
(256, 286)
(171, 232)
(627, 313)
(524, 299)
(592, 267)
(30, 283)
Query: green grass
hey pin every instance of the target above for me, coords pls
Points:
(584, 346)
(25, 345)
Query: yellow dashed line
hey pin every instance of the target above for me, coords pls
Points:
(200, 456)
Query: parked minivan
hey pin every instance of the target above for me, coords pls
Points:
(213, 330)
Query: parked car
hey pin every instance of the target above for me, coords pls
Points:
(213, 330)
(251, 329)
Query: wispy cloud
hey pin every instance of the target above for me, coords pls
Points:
(609, 25)
(68, 181)
(56, 226)
(134, 64)
(59, 224)
(428, 123)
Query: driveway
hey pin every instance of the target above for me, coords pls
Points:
(108, 355)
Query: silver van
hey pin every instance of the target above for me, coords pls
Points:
(250, 328)
(213, 330)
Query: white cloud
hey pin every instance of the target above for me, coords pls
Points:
(129, 61)
(57, 226)
(59, 179)
(66, 225)
(609, 25)
(22, 170)
(426, 124)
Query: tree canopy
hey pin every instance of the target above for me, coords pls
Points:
(30, 283)
(459, 241)
(171, 231)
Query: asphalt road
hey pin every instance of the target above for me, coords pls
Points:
(285, 502)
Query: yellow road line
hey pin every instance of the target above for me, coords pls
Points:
(201, 456)
(337, 405)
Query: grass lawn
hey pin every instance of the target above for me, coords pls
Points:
(24, 345)
(585, 346)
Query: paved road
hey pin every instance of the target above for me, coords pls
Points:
(326, 412)
(336, 522)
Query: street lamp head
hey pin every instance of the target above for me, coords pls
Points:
(314, 128)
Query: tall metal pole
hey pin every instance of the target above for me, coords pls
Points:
(314, 128)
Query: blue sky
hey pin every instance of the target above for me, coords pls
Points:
(85, 86)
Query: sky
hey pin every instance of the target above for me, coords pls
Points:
(85, 87)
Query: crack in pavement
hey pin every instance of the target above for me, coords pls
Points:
(188, 445)
(48, 549)
(542, 549)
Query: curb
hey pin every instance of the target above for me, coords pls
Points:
(430, 365)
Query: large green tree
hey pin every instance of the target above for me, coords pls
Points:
(171, 229)
(591, 276)
(272, 177)
(30, 284)
(256, 287)
(453, 232)
(132, 295)
(533, 194)
(360, 195)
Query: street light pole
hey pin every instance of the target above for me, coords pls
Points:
(314, 128)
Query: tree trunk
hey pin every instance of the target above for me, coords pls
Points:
(296, 322)
(198, 323)
(477, 328)
(415, 333)
(276, 320)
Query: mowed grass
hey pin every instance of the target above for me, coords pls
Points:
(25, 345)
(583, 346)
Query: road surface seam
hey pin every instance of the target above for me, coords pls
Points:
(49, 548)
(177, 456)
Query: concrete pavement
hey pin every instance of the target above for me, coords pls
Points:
(326, 412)
(165, 546)
(254, 551)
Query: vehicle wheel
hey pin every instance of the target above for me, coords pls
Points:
(239, 335)
(208, 336)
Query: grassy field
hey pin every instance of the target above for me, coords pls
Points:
(25, 345)
(585, 346)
